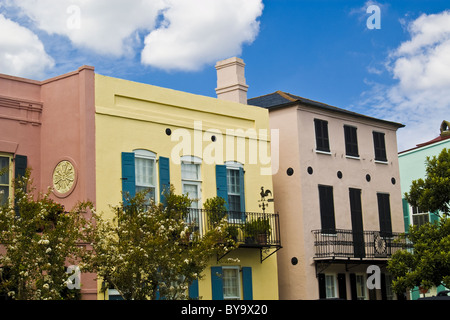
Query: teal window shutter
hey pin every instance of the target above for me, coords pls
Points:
(406, 214)
(217, 283)
(20, 169)
(20, 163)
(164, 177)
(193, 290)
(221, 183)
(434, 217)
(247, 283)
(128, 176)
(242, 191)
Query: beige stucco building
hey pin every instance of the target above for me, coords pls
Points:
(338, 194)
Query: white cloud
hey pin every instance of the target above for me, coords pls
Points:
(21, 52)
(179, 34)
(104, 26)
(421, 97)
(199, 32)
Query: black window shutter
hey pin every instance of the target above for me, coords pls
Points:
(380, 146)
(322, 140)
(327, 209)
(20, 169)
(384, 213)
(351, 141)
(20, 164)
(322, 286)
(342, 286)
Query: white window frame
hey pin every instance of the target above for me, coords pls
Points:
(147, 155)
(10, 176)
(417, 214)
(361, 286)
(235, 166)
(238, 282)
(334, 286)
(197, 182)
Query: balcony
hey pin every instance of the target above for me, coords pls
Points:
(346, 244)
(248, 229)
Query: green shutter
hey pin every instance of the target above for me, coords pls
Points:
(242, 189)
(221, 183)
(128, 176)
(434, 217)
(193, 290)
(217, 283)
(164, 177)
(406, 215)
(20, 163)
(247, 283)
(20, 169)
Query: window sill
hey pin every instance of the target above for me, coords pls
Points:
(353, 157)
(381, 162)
(324, 152)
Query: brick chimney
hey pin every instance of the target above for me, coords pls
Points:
(231, 84)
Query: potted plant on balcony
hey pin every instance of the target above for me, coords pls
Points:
(257, 231)
(216, 211)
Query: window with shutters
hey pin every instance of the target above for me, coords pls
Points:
(322, 140)
(419, 216)
(351, 141)
(379, 146)
(5, 178)
(231, 283)
(145, 167)
(327, 209)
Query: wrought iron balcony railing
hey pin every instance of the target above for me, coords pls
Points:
(348, 244)
(248, 229)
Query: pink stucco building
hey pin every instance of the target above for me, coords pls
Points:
(338, 194)
(49, 126)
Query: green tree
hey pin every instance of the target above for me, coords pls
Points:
(432, 194)
(39, 239)
(427, 263)
(152, 251)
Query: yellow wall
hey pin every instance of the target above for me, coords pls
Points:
(133, 116)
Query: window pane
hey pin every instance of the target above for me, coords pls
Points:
(4, 195)
(4, 165)
(231, 283)
(329, 283)
(192, 191)
(360, 287)
(145, 172)
(233, 181)
(190, 171)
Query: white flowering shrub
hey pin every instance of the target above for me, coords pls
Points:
(151, 251)
(38, 239)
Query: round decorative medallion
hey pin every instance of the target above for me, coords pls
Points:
(64, 177)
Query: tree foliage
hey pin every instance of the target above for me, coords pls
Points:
(155, 251)
(38, 240)
(427, 263)
(432, 194)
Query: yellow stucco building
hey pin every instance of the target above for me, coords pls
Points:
(149, 137)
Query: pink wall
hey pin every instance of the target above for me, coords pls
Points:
(48, 122)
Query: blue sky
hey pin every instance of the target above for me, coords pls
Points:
(321, 50)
